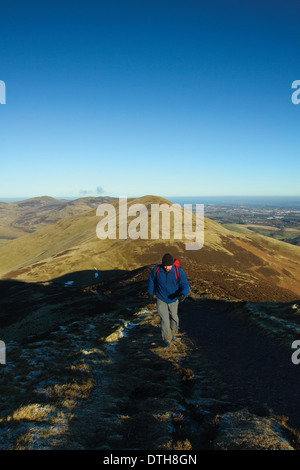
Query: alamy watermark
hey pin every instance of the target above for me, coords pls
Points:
(2, 352)
(2, 92)
(187, 223)
(295, 358)
(296, 95)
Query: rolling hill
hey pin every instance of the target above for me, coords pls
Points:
(21, 217)
(230, 265)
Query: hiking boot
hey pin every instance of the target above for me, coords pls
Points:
(166, 344)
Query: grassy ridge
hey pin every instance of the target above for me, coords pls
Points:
(71, 246)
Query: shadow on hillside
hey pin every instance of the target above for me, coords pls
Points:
(88, 277)
(257, 368)
(33, 308)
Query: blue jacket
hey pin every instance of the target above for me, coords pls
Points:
(165, 285)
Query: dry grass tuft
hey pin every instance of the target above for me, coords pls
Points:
(292, 434)
(178, 445)
(33, 412)
(187, 375)
(70, 391)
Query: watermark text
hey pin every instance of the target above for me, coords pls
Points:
(152, 222)
(296, 94)
(296, 354)
(2, 92)
(2, 352)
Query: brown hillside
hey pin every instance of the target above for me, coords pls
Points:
(230, 265)
(21, 217)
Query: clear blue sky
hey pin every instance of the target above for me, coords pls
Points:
(169, 97)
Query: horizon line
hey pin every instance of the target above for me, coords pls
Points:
(21, 198)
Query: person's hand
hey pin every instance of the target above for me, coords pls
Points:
(181, 297)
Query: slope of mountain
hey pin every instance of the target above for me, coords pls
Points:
(230, 265)
(63, 346)
(20, 217)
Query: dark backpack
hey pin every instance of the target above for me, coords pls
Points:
(176, 263)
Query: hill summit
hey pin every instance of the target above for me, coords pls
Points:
(229, 265)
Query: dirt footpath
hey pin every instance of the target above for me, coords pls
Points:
(258, 371)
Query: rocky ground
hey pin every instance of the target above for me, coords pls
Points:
(97, 377)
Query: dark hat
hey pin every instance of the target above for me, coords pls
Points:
(167, 260)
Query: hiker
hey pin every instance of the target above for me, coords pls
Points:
(170, 285)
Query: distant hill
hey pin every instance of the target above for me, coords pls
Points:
(21, 217)
(230, 265)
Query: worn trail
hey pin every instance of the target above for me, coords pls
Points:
(258, 371)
